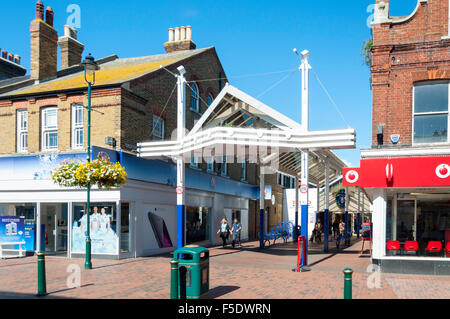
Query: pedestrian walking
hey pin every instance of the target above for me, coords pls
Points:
(224, 232)
(236, 233)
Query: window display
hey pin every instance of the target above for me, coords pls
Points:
(197, 224)
(420, 224)
(102, 229)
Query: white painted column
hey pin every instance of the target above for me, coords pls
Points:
(261, 207)
(327, 203)
(379, 223)
(181, 124)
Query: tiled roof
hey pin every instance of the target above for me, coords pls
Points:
(114, 72)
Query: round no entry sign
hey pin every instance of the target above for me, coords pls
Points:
(303, 189)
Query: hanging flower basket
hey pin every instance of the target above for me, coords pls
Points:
(100, 172)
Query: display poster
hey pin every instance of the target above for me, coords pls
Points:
(103, 237)
(12, 229)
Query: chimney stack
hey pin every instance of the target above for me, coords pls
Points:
(44, 45)
(180, 39)
(71, 49)
(381, 13)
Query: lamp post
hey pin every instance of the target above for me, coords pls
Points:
(90, 66)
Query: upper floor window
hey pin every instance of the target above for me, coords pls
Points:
(195, 98)
(77, 126)
(22, 131)
(194, 162)
(286, 181)
(224, 167)
(210, 99)
(210, 165)
(431, 113)
(243, 171)
(50, 128)
(158, 128)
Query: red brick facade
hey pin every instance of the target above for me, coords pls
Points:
(407, 51)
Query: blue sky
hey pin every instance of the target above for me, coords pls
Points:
(251, 37)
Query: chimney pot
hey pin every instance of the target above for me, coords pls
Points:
(180, 39)
(183, 33)
(17, 59)
(70, 32)
(4, 54)
(188, 33)
(44, 45)
(177, 34)
(171, 35)
(49, 16)
(10, 57)
(40, 10)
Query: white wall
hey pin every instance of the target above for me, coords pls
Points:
(379, 223)
(289, 208)
(161, 200)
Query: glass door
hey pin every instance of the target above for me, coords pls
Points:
(54, 219)
(125, 233)
(406, 220)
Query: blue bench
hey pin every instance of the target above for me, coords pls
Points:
(283, 230)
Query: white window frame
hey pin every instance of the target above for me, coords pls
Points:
(22, 131)
(77, 127)
(224, 167)
(161, 135)
(414, 114)
(45, 131)
(195, 100)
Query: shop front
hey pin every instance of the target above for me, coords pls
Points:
(137, 219)
(411, 210)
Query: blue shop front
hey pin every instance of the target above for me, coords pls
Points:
(137, 219)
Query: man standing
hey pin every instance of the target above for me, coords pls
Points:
(236, 232)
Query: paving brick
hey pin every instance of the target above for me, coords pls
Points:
(235, 274)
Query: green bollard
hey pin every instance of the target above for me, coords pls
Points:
(42, 284)
(174, 279)
(348, 283)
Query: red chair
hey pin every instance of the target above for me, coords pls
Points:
(447, 249)
(393, 247)
(411, 247)
(434, 247)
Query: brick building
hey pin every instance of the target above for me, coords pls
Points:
(407, 171)
(10, 67)
(43, 120)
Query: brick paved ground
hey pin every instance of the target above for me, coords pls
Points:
(234, 274)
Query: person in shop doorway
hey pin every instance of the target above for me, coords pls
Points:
(336, 228)
(236, 233)
(224, 232)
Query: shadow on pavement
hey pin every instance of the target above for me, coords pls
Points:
(222, 290)
(69, 289)
(17, 295)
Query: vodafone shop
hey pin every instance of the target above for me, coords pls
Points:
(410, 191)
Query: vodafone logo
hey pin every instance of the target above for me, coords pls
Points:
(443, 171)
(352, 176)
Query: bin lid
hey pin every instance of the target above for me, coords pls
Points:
(191, 249)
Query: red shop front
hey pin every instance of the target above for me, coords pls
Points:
(411, 211)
